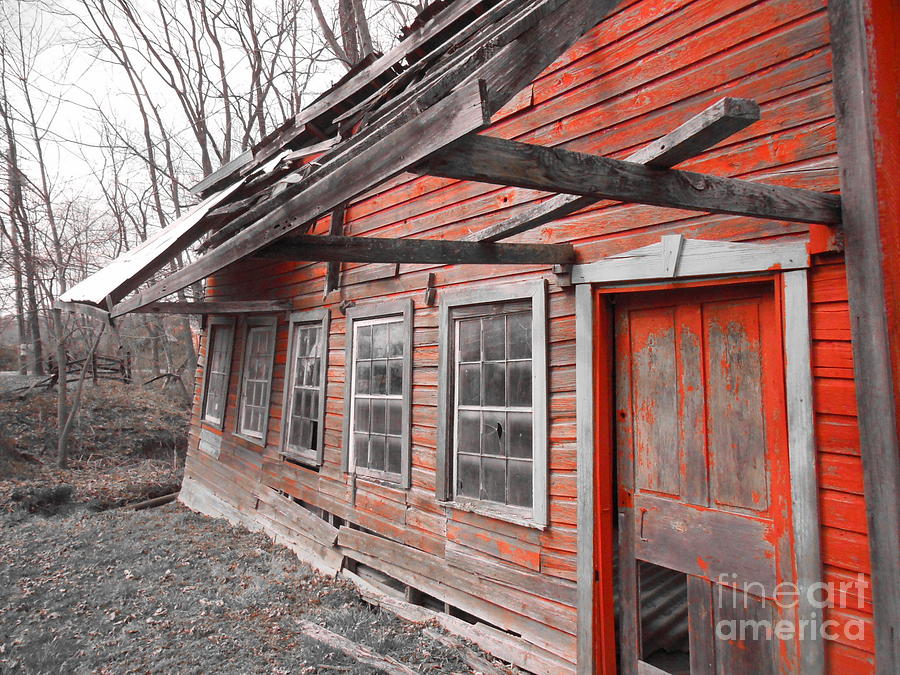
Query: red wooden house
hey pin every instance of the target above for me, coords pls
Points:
(574, 322)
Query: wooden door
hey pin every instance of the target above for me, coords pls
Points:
(704, 504)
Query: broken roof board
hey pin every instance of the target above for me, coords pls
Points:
(461, 92)
(152, 253)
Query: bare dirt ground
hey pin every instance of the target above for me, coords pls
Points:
(170, 591)
(88, 588)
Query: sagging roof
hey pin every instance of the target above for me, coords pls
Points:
(419, 108)
(457, 64)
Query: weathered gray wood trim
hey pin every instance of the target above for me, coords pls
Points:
(695, 258)
(216, 307)
(802, 452)
(323, 318)
(220, 321)
(875, 389)
(584, 415)
(536, 292)
(403, 308)
(250, 322)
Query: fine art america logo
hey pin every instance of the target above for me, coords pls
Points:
(779, 618)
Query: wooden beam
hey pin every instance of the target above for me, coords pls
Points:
(216, 307)
(719, 121)
(495, 160)
(429, 251)
(863, 37)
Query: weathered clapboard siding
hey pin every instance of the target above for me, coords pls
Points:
(651, 65)
(842, 511)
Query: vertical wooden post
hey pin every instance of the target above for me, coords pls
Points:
(596, 640)
(333, 275)
(584, 401)
(802, 451)
(866, 56)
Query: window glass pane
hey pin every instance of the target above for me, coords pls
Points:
(303, 440)
(468, 433)
(494, 336)
(519, 432)
(310, 431)
(493, 433)
(379, 341)
(393, 455)
(379, 410)
(379, 377)
(294, 435)
(470, 384)
(361, 415)
(364, 342)
(395, 417)
(361, 449)
(313, 404)
(468, 483)
(316, 372)
(520, 483)
(493, 480)
(396, 339)
(395, 376)
(470, 340)
(519, 374)
(363, 375)
(518, 335)
(495, 384)
(376, 453)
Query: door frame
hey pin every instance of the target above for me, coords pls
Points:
(676, 262)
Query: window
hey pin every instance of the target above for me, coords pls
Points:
(304, 394)
(378, 394)
(220, 337)
(256, 378)
(492, 421)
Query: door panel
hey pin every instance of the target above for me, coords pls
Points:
(700, 433)
(737, 428)
(655, 402)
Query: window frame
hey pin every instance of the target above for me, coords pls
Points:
(224, 322)
(445, 492)
(404, 310)
(322, 318)
(249, 323)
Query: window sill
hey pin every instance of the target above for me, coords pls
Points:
(516, 517)
(213, 426)
(387, 480)
(297, 458)
(250, 439)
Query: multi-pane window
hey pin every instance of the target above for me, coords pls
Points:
(218, 369)
(256, 381)
(493, 406)
(305, 392)
(377, 422)
(492, 402)
(378, 393)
